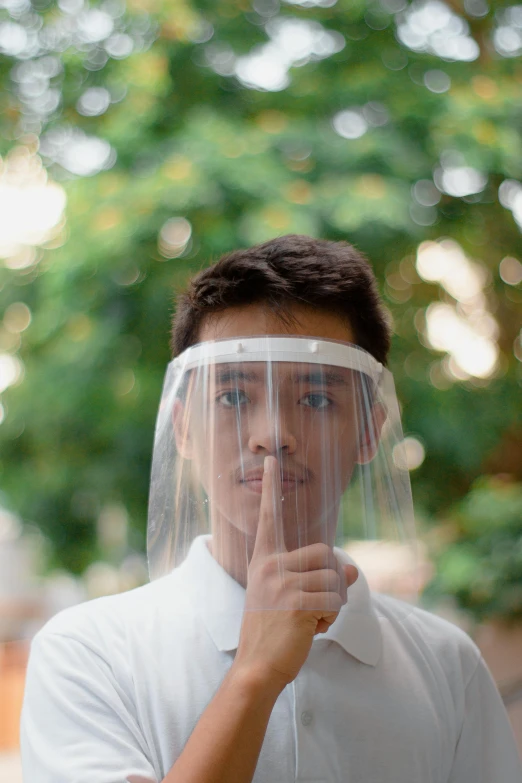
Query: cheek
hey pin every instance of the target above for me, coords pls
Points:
(346, 438)
(334, 443)
(217, 461)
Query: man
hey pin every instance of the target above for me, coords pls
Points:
(258, 652)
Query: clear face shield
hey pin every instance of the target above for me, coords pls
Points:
(326, 410)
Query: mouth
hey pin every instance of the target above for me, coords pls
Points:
(254, 482)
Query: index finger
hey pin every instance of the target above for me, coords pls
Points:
(270, 536)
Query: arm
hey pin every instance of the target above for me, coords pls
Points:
(486, 749)
(227, 740)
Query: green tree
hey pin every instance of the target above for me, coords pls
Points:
(479, 552)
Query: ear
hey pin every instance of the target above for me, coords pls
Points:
(371, 435)
(180, 423)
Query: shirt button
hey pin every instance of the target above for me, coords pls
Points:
(306, 718)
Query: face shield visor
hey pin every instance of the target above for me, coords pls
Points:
(328, 412)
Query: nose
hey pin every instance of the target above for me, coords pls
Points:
(270, 432)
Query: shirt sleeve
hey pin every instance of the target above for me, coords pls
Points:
(78, 724)
(486, 750)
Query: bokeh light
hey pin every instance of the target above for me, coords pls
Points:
(409, 454)
(437, 81)
(456, 178)
(510, 270)
(293, 42)
(312, 3)
(467, 330)
(350, 124)
(174, 237)
(507, 37)
(425, 193)
(510, 196)
(11, 370)
(17, 317)
(77, 152)
(31, 205)
(433, 27)
(517, 346)
(475, 354)
(94, 101)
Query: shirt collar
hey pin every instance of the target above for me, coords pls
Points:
(220, 602)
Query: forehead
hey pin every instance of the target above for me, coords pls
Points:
(255, 319)
(281, 372)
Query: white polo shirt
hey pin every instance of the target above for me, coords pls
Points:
(389, 694)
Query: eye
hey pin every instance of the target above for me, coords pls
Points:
(317, 401)
(234, 397)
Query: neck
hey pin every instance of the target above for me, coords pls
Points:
(233, 549)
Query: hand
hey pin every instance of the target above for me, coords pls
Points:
(139, 779)
(290, 596)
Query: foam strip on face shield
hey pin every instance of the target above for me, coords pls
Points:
(327, 410)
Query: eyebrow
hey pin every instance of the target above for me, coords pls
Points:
(329, 378)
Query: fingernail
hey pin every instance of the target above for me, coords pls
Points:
(266, 465)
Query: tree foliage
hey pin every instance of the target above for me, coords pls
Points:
(151, 119)
(479, 552)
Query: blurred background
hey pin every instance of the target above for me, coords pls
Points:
(142, 139)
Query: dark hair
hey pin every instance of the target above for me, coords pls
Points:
(291, 269)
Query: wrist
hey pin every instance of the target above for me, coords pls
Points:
(257, 682)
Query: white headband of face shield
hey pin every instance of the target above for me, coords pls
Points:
(280, 349)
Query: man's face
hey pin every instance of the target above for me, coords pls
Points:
(304, 414)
